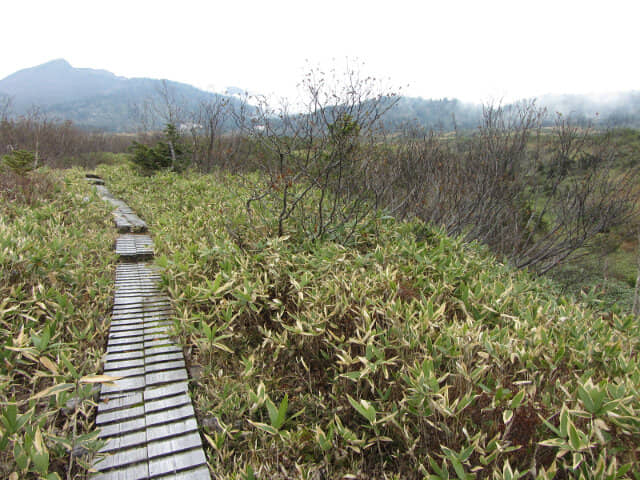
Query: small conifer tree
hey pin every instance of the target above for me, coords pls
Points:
(20, 161)
(171, 153)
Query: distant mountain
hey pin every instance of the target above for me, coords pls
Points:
(606, 109)
(99, 99)
(95, 98)
(444, 114)
(57, 82)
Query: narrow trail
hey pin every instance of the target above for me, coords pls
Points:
(146, 417)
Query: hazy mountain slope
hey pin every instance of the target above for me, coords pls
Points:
(99, 99)
(57, 82)
(92, 98)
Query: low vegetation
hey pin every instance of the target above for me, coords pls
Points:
(353, 303)
(56, 286)
(408, 354)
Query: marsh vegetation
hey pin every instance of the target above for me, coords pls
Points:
(353, 302)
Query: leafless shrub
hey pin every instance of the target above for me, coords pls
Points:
(27, 189)
(321, 153)
(58, 144)
(533, 197)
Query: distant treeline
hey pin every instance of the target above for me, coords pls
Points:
(124, 111)
(616, 110)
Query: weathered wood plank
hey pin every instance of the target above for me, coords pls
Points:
(177, 462)
(165, 430)
(165, 391)
(146, 417)
(118, 365)
(124, 348)
(124, 385)
(157, 349)
(133, 472)
(107, 403)
(120, 428)
(116, 356)
(137, 338)
(200, 473)
(127, 440)
(159, 378)
(163, 367)
(123, 458)
(173, 444)
(167, 402)
(120, 415)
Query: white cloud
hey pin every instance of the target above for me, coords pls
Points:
(467, 49)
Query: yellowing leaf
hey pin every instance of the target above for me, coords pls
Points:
(99, 379)
(61, 387)
(49, 365)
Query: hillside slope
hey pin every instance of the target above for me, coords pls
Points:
(406, 355)
(99, 99)
(94, 98)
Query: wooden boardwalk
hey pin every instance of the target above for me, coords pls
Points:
(146, 416)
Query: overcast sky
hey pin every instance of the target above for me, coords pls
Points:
(475, 50)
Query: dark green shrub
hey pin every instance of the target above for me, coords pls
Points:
(20, 161)
(171, 153)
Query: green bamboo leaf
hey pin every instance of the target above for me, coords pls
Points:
(517, 400)
(364, 408)
(264, 427)
(574, 438)
(282, 412)
(564, 421)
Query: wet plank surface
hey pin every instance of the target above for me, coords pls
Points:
(146, 417)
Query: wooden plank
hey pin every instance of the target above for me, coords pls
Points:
(169, 416)
(127, 327)
(120, 415)
(128, 300)
(106, 403)
(163, 357)
(120, 428)
(156, 326)
(176, 462)
(164, 430)
(124, 385)
(129, 372)
(171, 348)
(118, 365)
(133, 472)
(124, 348)
(199, 473)
(146, 417)
(165, 391)
(116, 356)
(165, 377)
(121, 458)
(165, 403)
(126, 316)
(173, 444)
(159, 367)
(137, 338)
(157, 343)
(127, 440)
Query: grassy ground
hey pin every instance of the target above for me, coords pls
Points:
(56, 276)
(608, 278)
(406, 355)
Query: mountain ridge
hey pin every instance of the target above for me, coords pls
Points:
(99, 99)
(91, 98)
